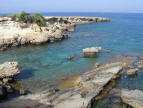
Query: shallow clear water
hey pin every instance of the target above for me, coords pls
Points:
(44, 65)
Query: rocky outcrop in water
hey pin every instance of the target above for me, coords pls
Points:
(132, 98)
(85, 88)
(15, 34)
(91, 51)
(131, 72)
(8, 71)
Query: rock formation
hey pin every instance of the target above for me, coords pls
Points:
(131, 72)
(8, 71)
(91, 51)
(82, 94)
(14, 33)
(132, 98)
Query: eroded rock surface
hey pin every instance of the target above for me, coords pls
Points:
(91, 51)
(131, 72)
(85, 89)
(133, 98)
(15, 34)
(9, 69)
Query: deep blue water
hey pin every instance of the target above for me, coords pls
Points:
(46, 64)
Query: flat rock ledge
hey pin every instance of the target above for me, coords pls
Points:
(132, 98)
(9, 69)
(82, 94)
(16, 34)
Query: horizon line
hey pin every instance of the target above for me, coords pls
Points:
(69, 12)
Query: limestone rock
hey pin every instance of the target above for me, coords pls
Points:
(9, 69)
(133, 98)
(132, 72)
(13, 33)
(87, 87)
(91, 51)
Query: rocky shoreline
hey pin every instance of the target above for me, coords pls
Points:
(16, 34)
(84, 90)
(82, 94)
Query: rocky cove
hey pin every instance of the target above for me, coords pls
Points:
(88, 88)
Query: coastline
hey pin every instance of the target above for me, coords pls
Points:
(130, 69)
(16, 34)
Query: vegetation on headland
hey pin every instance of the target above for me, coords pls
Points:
(24, 17)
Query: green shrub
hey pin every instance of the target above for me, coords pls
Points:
(24, 17)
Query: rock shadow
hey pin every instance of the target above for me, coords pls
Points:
(25, 74)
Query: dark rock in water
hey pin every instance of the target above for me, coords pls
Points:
(11, 80)
(70, 57)
(3, 92)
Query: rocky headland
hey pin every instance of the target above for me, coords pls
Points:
(13, 33)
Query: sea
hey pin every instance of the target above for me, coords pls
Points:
(44, 66)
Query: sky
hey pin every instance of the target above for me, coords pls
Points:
(15, 6)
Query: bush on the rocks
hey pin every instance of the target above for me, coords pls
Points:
(24, 17)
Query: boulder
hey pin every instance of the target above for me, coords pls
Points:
(91, 51)
(132, 98)
(132, 71)
(9, 69)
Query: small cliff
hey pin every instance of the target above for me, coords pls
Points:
(13, 33)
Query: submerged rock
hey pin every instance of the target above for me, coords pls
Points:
(9, 69)
(132, 98)
(91, 51)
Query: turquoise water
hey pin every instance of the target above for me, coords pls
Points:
(44, 65)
